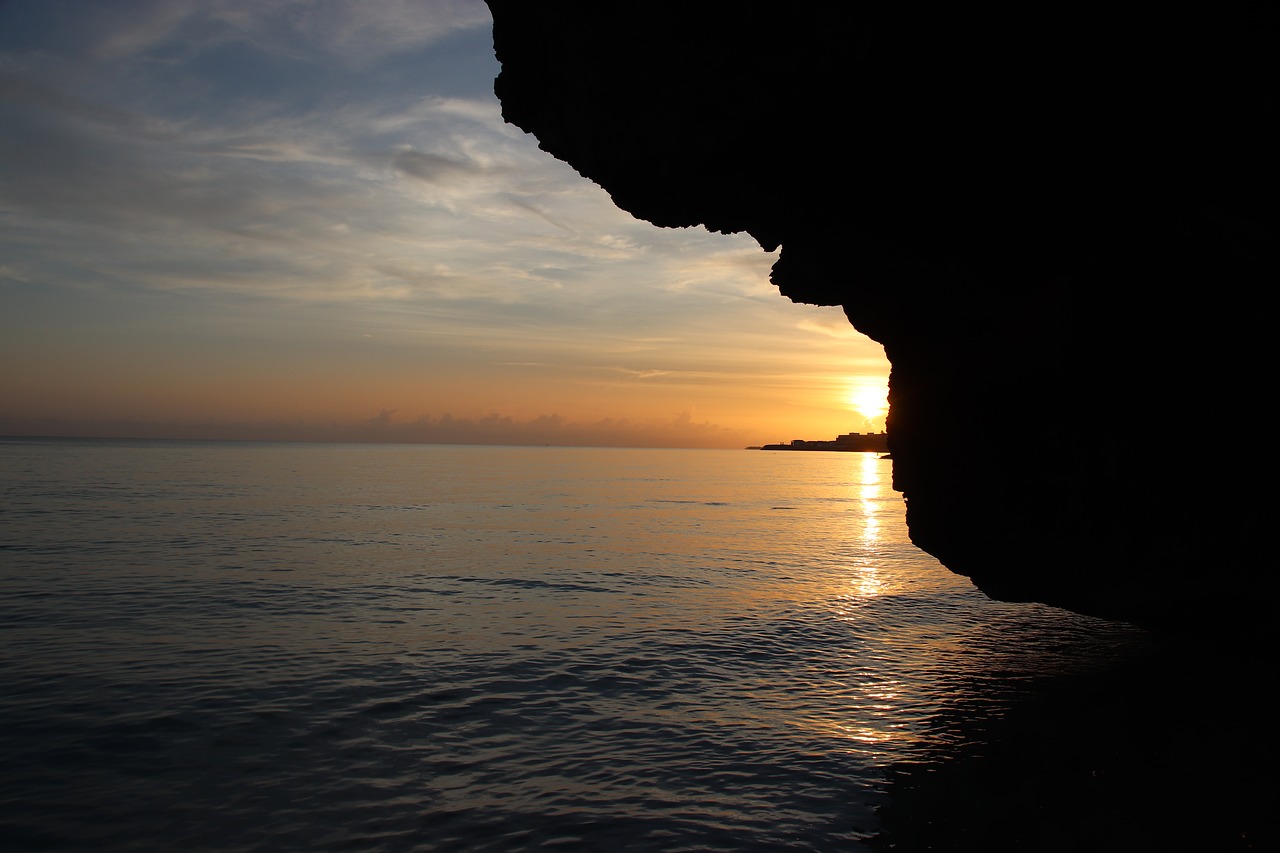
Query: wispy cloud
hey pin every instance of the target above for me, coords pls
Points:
(265, 183)
(682, 430)
(355, 33)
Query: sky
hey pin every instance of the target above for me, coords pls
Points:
(306, 219)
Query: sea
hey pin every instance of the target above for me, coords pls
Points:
(236, 646)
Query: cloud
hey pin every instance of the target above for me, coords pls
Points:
(538, 212)
(356, 33)
(382, 419)
(642, 374)
(180, 170)
(493, 429)
(432, 168)
(829, 323)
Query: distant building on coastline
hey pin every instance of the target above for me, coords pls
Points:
(874, 442)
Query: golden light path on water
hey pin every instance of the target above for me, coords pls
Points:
(863, 577)
(867, 728)
(869, 582)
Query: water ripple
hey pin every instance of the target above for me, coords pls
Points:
(258, 648)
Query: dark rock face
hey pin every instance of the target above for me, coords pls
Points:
(1059, 224)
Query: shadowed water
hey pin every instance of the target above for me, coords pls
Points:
(265, 647)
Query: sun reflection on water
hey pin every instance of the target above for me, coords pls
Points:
(867, 582)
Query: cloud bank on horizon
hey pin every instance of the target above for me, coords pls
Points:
(311, 213)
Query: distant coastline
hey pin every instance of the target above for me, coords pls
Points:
(869, 442)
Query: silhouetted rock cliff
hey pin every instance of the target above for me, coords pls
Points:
(1059, 223)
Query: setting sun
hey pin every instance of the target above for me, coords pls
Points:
(868, 397)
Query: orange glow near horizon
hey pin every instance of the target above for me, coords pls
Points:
(465, 286)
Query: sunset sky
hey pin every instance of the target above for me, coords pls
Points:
(307, 219)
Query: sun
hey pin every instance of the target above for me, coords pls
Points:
(869, 398)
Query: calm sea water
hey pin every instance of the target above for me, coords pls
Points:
(222, 646)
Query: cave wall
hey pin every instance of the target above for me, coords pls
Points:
(1060, 225)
